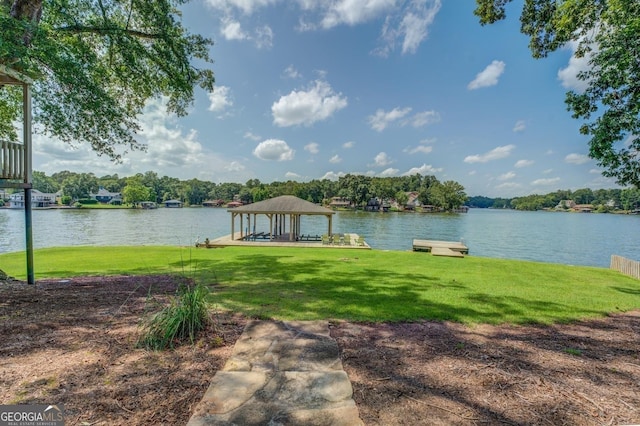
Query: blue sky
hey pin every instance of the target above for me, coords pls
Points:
(318, 89)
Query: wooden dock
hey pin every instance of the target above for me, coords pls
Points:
(354, 242)
(441, 248)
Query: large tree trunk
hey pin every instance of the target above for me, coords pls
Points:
(28, 10)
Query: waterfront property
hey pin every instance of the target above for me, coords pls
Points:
(38, 199)
(107, 197)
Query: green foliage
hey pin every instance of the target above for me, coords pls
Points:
(87, 201)
(606, 33)
(135, 191)
(79, 185)
(181, 320)
(96, 64)
(362, 285)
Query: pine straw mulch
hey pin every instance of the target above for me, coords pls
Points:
(73, 342)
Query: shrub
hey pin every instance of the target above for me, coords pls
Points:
(87, 201)
(182, 319)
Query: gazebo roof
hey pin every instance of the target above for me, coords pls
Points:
(11, 76)
(285, 204)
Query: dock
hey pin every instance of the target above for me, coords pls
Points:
(441, 248)
(354, 241)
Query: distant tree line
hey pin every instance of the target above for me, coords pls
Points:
(357, 189)
(602, 200)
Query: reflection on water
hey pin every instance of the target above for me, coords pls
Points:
(570, 238)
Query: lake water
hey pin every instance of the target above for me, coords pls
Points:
(568, 238)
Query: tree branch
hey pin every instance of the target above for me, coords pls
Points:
(77, 29)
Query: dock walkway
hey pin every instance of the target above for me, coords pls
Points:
(441, 248)
(354, 242)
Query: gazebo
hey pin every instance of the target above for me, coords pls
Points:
(277, 210)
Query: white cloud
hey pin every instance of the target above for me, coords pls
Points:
(234, 166)
(422, 149)
(249, 135)
(488, 77)
(306, 107)
(507, 176)
(292, 176)
(264, 37)
(312, 148)
(568, 75)
(382, 160)
(545, 182)
(332, 175)
(389, 172)
(576, 159)
(245, 6)
(348, 145)
(274, 150)
(495, 154)
(509, 185)
(232, 30)
(523, 163)
(411, 25)
(595, 171)
(352, 12)
(171, 150)
(335, 159)
(519, 126)
(381, 119)
(220, 99)
(547, 171)
(423, 170)
(422, 119)
(291, 72)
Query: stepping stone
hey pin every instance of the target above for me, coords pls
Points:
(280, 374)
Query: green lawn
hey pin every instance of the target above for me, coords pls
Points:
(362, 285)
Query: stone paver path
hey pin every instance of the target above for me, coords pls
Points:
(280, 374)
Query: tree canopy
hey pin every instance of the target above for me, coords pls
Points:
(607, 33)
(96, 63)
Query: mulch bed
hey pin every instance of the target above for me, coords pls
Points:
(73, 342)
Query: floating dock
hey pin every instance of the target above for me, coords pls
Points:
(441, 248)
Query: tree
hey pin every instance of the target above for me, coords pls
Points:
(43, 183)
(96, 64)
(80, 185)
(449, 195)
(135, 192)
(401, 199)
(607, 34)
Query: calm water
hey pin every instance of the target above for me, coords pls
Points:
(578, 239)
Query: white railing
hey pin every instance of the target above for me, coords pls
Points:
(625, 266)
(12, 161)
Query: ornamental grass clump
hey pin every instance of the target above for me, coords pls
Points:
(181, 320)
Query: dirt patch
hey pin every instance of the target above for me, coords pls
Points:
(586, 373)
(73, 342)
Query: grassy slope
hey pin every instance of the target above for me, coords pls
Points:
(306, 283)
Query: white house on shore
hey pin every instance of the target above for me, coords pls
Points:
(38, 199)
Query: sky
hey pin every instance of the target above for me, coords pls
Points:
(318, 89)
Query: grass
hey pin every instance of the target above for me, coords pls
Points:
(181, 320)
(361, 285)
